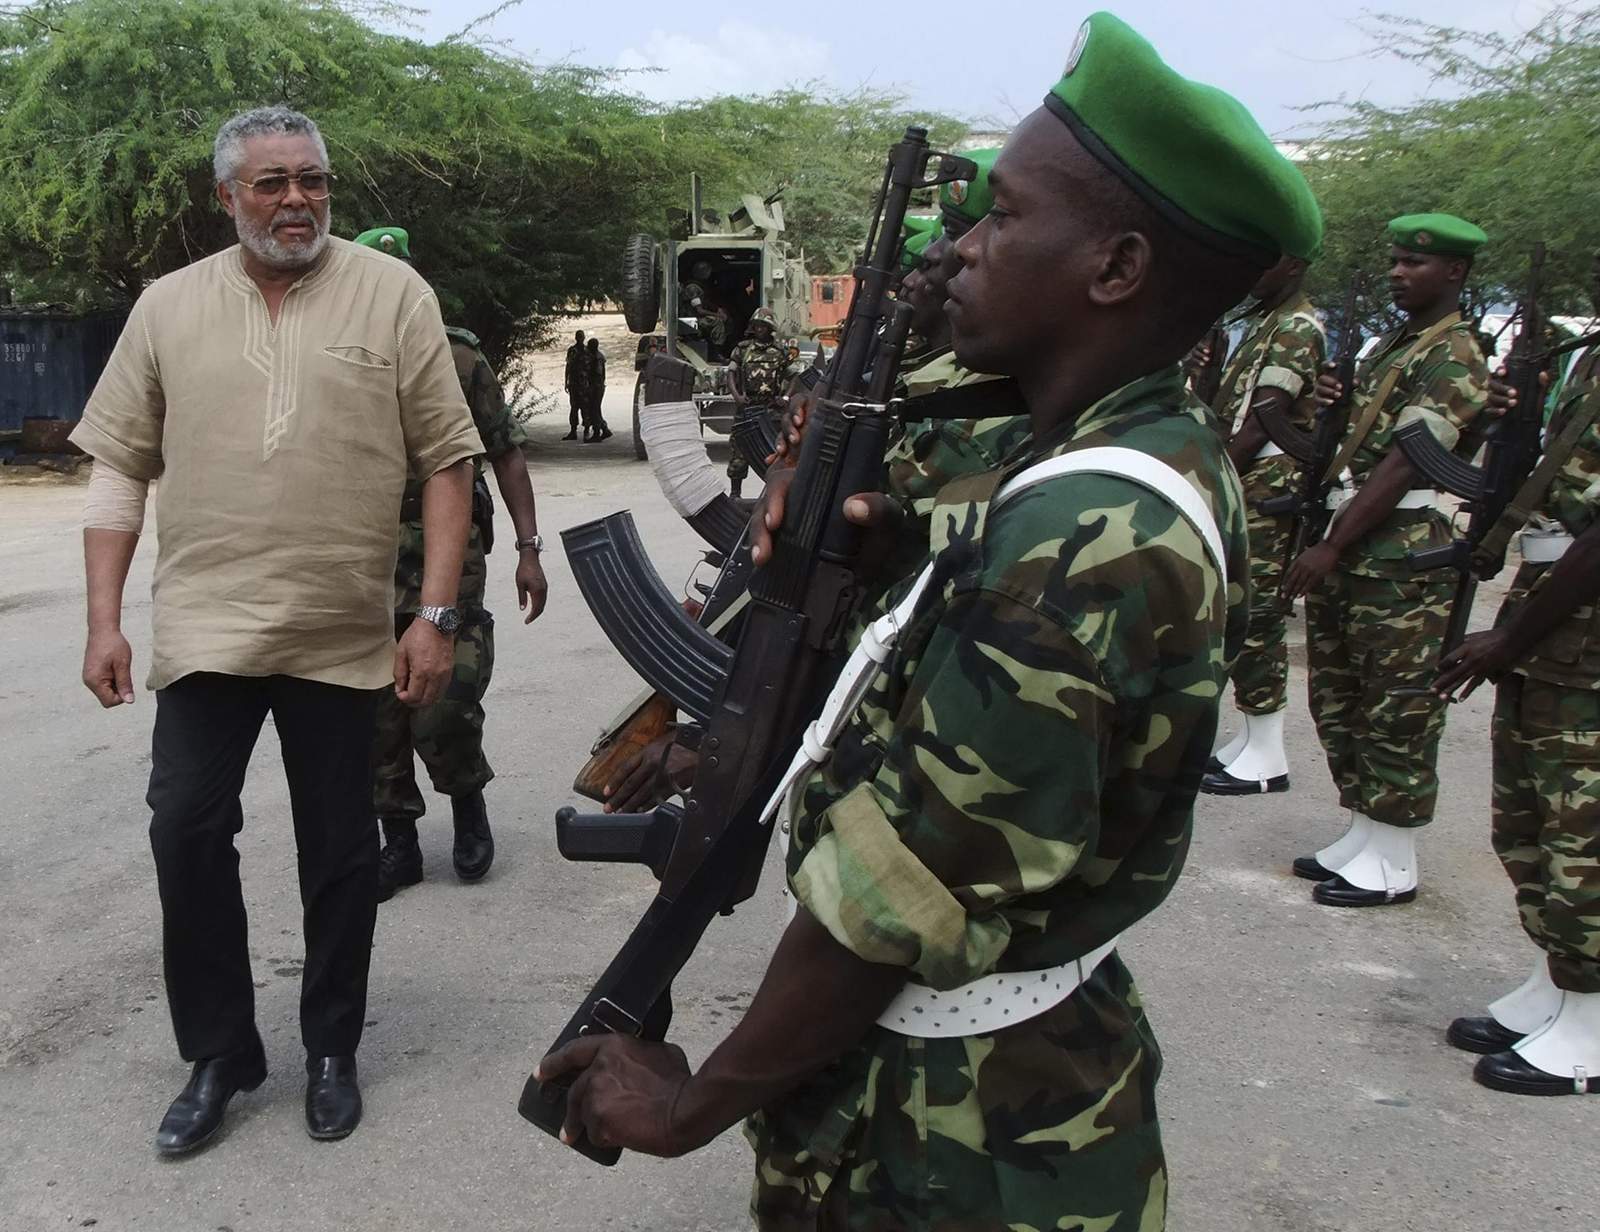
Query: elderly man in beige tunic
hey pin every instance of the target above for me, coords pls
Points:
(279, 392)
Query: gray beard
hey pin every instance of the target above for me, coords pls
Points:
(273, 252)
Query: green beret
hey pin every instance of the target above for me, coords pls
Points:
(965, 202)
(911, 252)
(395, 241)
(1191, 152)
(1443, 235)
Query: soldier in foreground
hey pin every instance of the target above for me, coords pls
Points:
(448, 734)
(756, 370)
(1544, 655)
(1373, 627)
(1274, 368)
(1018, 790)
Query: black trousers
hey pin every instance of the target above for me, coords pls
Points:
(206, 727)
(577, 412)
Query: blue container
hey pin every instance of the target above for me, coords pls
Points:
(50, 359)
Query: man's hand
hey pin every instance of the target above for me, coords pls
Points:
(532, 589)
(1198, 357)
(625, 1094)
(108, 668)
(878, 515)
(423, 662)
(1328, 390)
(1480, 657)
(792, 428)
(1309, 568)
(651, 775)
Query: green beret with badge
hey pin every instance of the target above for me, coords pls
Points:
(1192, 153)
(396, 241)
(1441, 235)
(964, 202)
(920, 230)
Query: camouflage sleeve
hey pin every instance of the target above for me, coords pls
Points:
(1075, 659)
(500, 431)
(1293, 356)
(1445, 387)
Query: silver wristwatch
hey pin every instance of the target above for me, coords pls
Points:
(446, 619)
(536, 542)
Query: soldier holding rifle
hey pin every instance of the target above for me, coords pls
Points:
(1018, 789)
(1373, 628)
(1543, 1038)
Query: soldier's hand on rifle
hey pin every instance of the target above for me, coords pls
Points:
(792, 428)
(1480, 657)
(1329, 390)
(1503, 394)
(1198, 357)
(1309, 568)
(532, 588)
(108, 668)
(655, 772)
(626, 1094)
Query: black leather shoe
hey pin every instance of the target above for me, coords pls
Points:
(1221, 783)
(1213, 764)
(196, 1115)
(474, 849)
(1311, 869)
(1506, 1071)
(400, 861)
(1337, 892)
(333, 1100)
(570, 436)
(1481, 1035)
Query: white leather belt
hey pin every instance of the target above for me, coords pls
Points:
(1269, 450)
(1417, 498)
(990, 1003)
(1541, 547)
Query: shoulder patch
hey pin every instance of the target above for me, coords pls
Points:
(456, 334)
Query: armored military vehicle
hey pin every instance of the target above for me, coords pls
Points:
(692, 294)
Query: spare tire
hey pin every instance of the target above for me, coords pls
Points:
(641, 288)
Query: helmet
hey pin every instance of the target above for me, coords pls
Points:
(763, 316)
(396, 241)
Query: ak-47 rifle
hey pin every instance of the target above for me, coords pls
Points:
(1316, 450)
(1511, 450)
(758, 700)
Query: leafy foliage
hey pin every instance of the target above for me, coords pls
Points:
(518, 182)
(1513, 144)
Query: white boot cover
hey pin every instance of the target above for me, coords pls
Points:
(1262, 756)
(1570, 1046)
(1230, 748)
(1347, 844)
(1533, 1005)
(1387, 860)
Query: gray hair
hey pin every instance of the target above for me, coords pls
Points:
(227, 155)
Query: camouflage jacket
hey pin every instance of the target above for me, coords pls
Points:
(1571, 654)
(1445, 387)
(501, 435)
(577, 373)
(1282, 349)
(761, 367)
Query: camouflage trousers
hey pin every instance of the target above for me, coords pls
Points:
(1261, 675)
(447, 735)
(1365, 638)
(1048, 1124)
(1546, 819)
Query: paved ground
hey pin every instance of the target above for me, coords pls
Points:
(1308, 1087)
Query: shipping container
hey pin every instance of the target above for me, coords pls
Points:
(50, 359)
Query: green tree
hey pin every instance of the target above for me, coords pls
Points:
(1513, 144)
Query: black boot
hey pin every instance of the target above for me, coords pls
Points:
(605, 432)
(196, 1115)
(474, 849)
(400, 861)
(571, 436)
(333, 1099)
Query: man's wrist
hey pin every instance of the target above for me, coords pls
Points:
(695, 1118)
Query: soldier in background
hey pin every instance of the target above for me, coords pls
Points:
(1373, 627)
(576, 383)
(756, 372)
(1274, 368)
(594, 378)
(711, 318)
(1544, 655)
(448, 735)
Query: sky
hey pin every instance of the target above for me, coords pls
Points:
(989, 62)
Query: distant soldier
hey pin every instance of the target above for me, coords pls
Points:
(1274, 368)
(577, 387)
(1544, 654)
(448, 735)
(711, 319)
(594, 377)
(757, 375)
(1373, 627)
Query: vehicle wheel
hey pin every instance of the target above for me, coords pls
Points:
(638, 407)
(641, 286)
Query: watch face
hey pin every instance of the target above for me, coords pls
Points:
(449, 620)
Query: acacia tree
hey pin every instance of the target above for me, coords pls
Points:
(1513, 145)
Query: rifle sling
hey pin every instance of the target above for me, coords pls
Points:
(1531, 494)
(1370, 412)
(982, 400)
